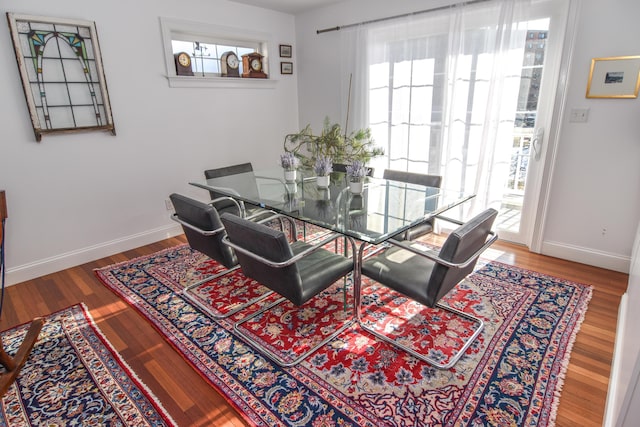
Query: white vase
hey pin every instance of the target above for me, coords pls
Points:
(356, 186)
(290, 176)
(322, 181)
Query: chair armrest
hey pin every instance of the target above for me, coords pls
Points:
(451, 220)
(281, 217)
(240, 205)
(193, 227)
(293, 259)
(436, 258)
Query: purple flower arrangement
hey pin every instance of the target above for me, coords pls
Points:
(323, 165)
(289, 161)
(357, 170)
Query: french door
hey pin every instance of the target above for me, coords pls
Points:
(533, 119)
(470, 104)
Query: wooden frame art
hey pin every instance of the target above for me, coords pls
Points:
(286, 68)
(286, 51)
(615, 77)
(62, 76)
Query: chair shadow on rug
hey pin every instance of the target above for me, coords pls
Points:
(297, 271)
(426, 277)
(13, 365)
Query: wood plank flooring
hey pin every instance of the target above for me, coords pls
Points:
(191, 401)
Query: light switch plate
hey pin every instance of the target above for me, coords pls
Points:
(579, 115)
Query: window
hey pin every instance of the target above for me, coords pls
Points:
(205, 57)
(205, 44)
(460, 93)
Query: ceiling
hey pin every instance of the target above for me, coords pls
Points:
(289, 6)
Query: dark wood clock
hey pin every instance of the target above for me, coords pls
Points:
(183, 64)
(252, 66)
(229, 65)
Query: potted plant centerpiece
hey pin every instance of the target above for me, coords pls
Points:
(334, 142)
(323, 167)
(289, 163)
(356, 171)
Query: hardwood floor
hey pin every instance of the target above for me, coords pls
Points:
(192, 402)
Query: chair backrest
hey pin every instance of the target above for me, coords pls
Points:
(434, 181)
(413, 178)
(341, 167)
(267, 243)
(460, 245)
(226, 171)
(204, 217)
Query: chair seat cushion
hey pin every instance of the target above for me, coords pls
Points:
(319, 270)
(403, 271)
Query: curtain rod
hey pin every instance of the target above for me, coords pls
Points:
(404, 15)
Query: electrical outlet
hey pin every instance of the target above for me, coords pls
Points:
(168, 204)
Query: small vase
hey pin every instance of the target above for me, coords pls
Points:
(356, 186)
(290, 176)
(322, 181)
(324, 194)
(292, 187)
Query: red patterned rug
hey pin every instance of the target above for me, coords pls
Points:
(74, 377)
(511, 376)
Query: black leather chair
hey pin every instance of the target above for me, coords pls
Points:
(204, 232)
(434, 181)
(342, 167)
(297, 271)
(226, 205)
(429, 276)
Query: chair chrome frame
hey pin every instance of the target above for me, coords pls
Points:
(316, 246)
(407, 245)
(187, 290)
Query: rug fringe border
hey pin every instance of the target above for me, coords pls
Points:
(130, 372)
(582, 306)
(581, 309)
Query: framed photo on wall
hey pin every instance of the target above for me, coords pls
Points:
(286, 68)
(615, 77)
(61, 70)
(286, 51)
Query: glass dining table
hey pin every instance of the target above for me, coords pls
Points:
(384, 209)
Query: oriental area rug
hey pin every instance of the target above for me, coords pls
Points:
(74, 377)
(511, 376)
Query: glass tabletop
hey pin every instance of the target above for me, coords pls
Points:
(383, 209)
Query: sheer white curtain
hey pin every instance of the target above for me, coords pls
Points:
(439, 92)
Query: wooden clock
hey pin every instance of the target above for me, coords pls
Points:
(229, 65)
(183, 64)
(252, 66)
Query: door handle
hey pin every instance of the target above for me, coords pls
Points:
(538, 137)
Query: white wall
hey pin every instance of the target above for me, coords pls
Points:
(596, 182)
(596, 176)
(77, 197)
(73, 198)
(623, 398)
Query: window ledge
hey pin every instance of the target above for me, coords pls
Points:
(221, 82)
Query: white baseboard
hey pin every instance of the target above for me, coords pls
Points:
(613, 400)
(587, 256)
(50, 265)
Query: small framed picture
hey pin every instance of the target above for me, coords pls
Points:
(615, 77)
(285, 51)
(286, 68)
